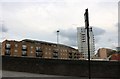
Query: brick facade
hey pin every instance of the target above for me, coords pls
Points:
(104, 53)
(33, 48)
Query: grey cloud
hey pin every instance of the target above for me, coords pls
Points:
(70, 33)
(69, 36)
(98, 31)
(109, 40)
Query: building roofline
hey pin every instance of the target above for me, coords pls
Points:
(36, 41)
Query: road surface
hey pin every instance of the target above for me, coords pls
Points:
(23, 75)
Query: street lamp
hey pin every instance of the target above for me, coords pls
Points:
(86, 17)
(58, 42)
(58, 36)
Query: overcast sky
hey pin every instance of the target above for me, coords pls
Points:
(40, 19)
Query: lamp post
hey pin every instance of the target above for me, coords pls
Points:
(87, 28)
(58, 42)
(58, 36)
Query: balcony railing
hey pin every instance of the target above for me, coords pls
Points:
(70, 56)
(55, 54)
(7, 46)
(7, 52)
(39, 54)
(70, 53)
(24, 49)
(55, 50)
(38, 50)
(24, 53)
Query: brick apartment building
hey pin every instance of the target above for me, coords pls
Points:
(40, 49)
(115, 57)
(104, 53)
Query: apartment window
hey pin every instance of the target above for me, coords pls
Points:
(38, 49)
(53, 45)
(83, 40)
(70, 55)
(16, 50)
(55, 55)
(75, 56)
(45, 57)
(31, 47)
(74, 53)
(39, 54)
(31, 52)
(7, 45)
(24, 47)
(83, 36)
(24, 53)
(16, 45)
(7, 52)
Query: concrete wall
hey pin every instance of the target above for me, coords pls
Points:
(62, 67)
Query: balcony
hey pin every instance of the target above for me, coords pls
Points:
(75, 56)
(24, 47)
(78, 55)
(55, 50)
(55, 55)
(7, 52)
(83, 40)
(70, 53)
(38, 50)
(70, 56)
(24, 53)
(39, 54)
(7, 46)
